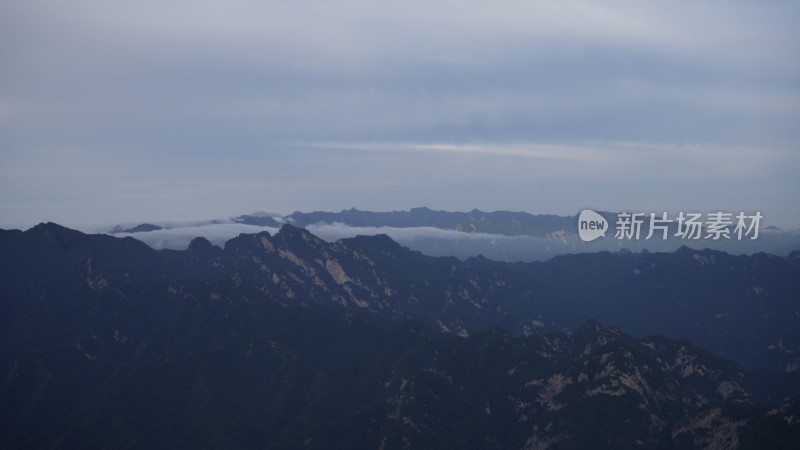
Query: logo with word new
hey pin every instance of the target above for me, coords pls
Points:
(591, 225)
(686, 226)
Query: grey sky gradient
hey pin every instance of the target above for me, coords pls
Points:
(156, 110)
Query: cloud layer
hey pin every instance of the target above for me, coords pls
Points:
(439, 242)
(153, 109)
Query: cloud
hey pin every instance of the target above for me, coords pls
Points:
(429, 240)
(178, 238)
(178, 234)
(335, 231)
(129, 111)
(440, 242)
(589, 161)
(277, 70)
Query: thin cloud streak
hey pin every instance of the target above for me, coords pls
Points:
(606, 158)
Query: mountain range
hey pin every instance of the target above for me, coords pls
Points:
(741, 307)
(285, 340)
(499, 222)
(500, 235)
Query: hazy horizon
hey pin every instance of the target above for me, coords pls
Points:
(119, 113)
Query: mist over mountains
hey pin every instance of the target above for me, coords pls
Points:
(143, 305)
(501, 235)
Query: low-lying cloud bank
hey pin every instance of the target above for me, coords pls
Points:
(178, 238)
(441, 242)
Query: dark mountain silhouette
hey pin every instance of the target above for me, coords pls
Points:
(741, 307)
(260, 221)
(289, 341)
(141, 228)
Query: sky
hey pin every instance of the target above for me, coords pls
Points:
(116, 112)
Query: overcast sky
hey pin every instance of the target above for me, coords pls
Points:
(154, 110)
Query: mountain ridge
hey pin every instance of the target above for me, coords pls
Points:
(644, 293)
(500, 235)
(98, 330)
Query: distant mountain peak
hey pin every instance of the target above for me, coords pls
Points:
(48, 227)
(200, 243)
(143, 228)
(54, 232)
(258, 220)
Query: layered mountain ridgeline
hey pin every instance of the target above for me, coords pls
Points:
(509, 223)
(500, 235)
(498, 222)
(288, 341)
(745, 308)
(149, 355)
(527, 237)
